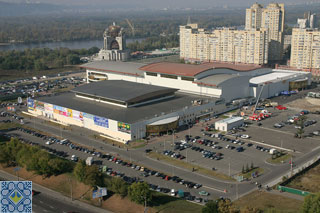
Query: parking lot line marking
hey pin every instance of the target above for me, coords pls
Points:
(315, 148)
(275, 130)
(219, 190)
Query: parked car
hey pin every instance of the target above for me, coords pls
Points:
(203, 193)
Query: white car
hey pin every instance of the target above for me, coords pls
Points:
(49, 142)
(245, 136)
(173, 192)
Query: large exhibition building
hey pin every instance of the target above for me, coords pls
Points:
(125, 101)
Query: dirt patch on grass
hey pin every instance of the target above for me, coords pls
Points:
(123, 205)
(308, 181)
(265, 200)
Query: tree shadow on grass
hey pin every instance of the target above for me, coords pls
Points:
(159, 199)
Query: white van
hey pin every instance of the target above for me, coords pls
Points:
(64, 141)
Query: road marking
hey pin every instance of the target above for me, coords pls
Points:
(219, 190)
(51, 207)
(315, 148)
(40, 201)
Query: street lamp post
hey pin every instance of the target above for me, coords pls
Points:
(229, 168)
(70, 180)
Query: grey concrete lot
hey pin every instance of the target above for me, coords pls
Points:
(128, 171)
(266, 133)
(284, 137)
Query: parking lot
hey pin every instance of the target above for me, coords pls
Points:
(203, 148)
(263, 136)
(44, 85)
(115, 165)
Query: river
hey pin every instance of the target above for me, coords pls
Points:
(67, 44)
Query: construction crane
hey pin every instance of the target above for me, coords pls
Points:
(131, 26)
(255, 106)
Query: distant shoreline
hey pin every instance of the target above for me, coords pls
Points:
(4, 44)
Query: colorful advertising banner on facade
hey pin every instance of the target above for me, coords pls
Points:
(101, 121)
(123, 127)
(48, 107)
(60, 110)
(39, 105)
(77, 115)
(31, 105)
(87, 115)
(69, 113)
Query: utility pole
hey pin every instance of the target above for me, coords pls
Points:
(145, 204)
(172, 137)
(237, 191)
(71, 192)
(291, 167)
(229, 168)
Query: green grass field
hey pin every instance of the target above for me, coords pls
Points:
(269, 202)
(167, 204)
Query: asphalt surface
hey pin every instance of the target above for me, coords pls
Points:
(214, 186)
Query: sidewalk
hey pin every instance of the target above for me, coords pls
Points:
(56, 195)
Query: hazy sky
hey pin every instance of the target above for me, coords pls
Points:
(158, 3)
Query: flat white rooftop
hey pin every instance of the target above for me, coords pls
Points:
(272, 77)
(230, 120)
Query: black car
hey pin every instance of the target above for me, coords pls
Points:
(147, 150)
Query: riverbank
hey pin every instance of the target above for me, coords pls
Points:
(78, 44)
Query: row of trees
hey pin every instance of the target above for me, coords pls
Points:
(155, 42)
(33, 159)
(42, 59)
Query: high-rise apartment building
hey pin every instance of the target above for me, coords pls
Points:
(309, 21)
(270, 19)
(253, 17)
(262, 39)
(305, 49)
(226, 45)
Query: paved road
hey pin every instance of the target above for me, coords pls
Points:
(214, 186)
(47, 201)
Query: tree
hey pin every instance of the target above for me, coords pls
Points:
(140, 193)
(300, 124)
(4, 155)
(226, 206)
(250, 210)
(210, 207)
(311, 203)
(79, 171)
(73, 59)
(89, 175)
(118, 186)
(58, 166)
(93, 176)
